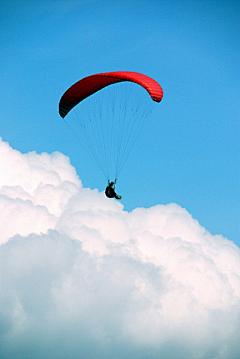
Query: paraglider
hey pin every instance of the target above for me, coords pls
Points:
(110, 191)
(110, 110)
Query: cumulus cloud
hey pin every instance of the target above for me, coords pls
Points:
(82, 278)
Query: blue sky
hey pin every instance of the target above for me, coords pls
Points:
(189, 154)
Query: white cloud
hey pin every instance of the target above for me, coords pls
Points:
(82, 278)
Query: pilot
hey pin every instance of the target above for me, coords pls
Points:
(110, 191)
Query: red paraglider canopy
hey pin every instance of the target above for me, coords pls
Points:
(91, 84)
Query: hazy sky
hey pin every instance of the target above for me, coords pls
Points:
(156, 273)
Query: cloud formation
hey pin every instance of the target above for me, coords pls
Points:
(82, 278)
